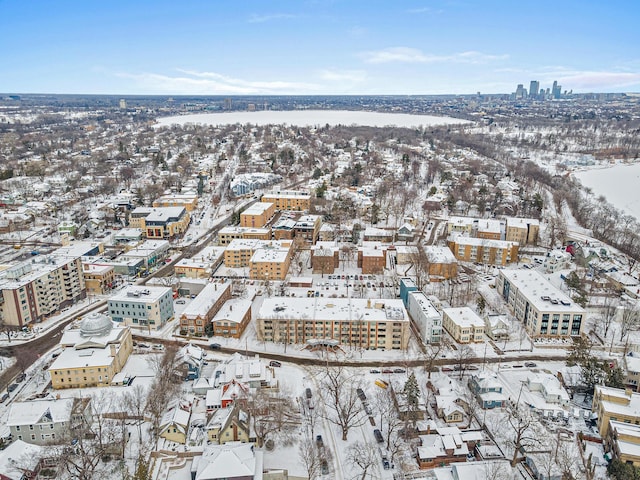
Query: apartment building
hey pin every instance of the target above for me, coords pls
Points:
(425, 316)
(92, 354)
(288, 199)
(372, 259)
(160, 222)
(201, 310)
(36, 288)
(142, 307)
(257, 215)
(525, 231)
(189, 202)
(542, 308)
(239, 252)
(363, 323)
(623, 442)
(615, 404)
(232, 318)
(463, 324)
(271, 262)
(227, 234)
(308, 228)
(325, 257)
(201, 265)
(480, 250)
(442, 263)
(98, 279)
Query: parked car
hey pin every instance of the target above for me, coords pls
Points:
(530, 364)
(324, 467)
(274, 363)
(319, 442)
(12, 387)
(378, 434)
(361, 394)
(215, 346)
(374, 370)
(307, 393)
(4, 398)
(399, 370)
(21, 377)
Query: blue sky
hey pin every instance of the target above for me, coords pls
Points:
(221, 47)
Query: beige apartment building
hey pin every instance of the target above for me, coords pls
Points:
(288, 199)
(257, 215)
(364, 323)
(480, 250)
(463, 324)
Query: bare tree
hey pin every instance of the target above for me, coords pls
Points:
(522, 425)
(463, 355)
(629, 320)
(309, 456)
(432, 352)
(365, 457)
(339, 391)
(165, 384)
(271, 413)
(610, 303)
(390, 423)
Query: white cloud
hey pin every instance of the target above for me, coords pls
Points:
(274, 16)
(212, 83)
(598, 80)
(423, 10)
(352, 76)
(414, 55)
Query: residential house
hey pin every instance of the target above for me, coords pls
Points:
(447, 445)
(230, 424)
(174, 424)
(488, 390)
(231, 461)
(44, 422)
(623, 442)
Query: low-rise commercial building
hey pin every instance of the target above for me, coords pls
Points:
(98, 278)
(201, 265)
(160, 222)
(189, 202)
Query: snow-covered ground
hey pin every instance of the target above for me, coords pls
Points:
(310, 118)
(618, 184)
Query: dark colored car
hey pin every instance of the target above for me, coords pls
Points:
(319, 441)
(399, 370)
(307, 393)
(274, 363)
(361, 394)
(215, 346)
(378, 434)
(21, 377)
(530, 364)
(12, 387)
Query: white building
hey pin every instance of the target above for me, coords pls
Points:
(426, 316)
(463, 324)
(142, 307)
(543, 308)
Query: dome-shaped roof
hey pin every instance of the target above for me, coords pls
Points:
(95, 325)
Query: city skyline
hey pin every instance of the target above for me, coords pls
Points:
(324, 48)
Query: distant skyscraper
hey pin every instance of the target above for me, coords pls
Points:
(520, 92)
(534, 88)
(123, 104)
(556, 91)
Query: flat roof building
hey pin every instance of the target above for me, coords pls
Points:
(541, 307)
(142, 307)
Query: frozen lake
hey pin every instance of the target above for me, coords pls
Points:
(310, 118)
(619, 184)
